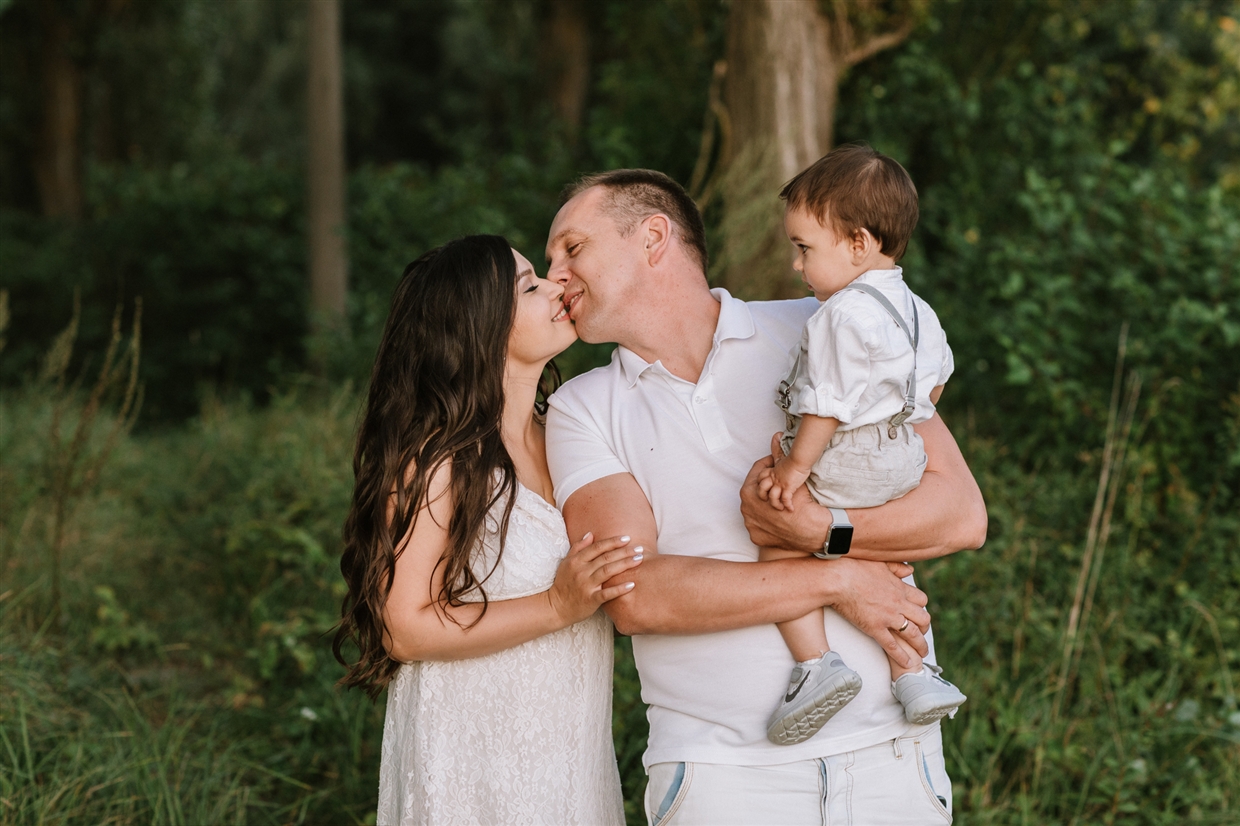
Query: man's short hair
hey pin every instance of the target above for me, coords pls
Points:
(856, 187)
(633, 195)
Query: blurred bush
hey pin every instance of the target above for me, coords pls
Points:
(1143, 725)
(215, 252)
(1078, 170)
(204, 565)
(1076, 174)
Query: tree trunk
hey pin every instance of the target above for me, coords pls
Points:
(329, 263)
(568, 63)
(57, 161)
(782, 81)
(785, 59)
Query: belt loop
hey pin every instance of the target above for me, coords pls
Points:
(896, 747)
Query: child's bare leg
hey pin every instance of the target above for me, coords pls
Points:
(820, 683)
(806, 637)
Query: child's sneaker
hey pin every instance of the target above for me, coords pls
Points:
(927, 697)
(817, 690)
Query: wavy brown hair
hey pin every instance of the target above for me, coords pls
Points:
(436, 395)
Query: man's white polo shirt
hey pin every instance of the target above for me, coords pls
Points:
(690, 447)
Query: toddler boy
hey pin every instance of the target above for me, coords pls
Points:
(872, 363)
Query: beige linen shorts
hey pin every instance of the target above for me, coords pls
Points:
(865, 467)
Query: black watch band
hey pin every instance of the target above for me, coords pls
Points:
(839, 537)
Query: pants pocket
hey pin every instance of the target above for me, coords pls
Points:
(939, 798)
(667, 785)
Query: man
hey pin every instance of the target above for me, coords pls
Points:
(660, 445)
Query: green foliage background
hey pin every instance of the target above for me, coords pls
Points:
(1079, 171)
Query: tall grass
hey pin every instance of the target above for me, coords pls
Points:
(200, 579)
(192, 682)
(96, 756)
(1128, 718)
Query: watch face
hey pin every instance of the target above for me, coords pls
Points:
(840, 540)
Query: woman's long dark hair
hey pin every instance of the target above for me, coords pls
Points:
(436, 395)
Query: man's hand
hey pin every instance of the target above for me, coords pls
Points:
(942, 515)
(801, 527)
(874, 598)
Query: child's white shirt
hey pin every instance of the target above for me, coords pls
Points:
(856, 361)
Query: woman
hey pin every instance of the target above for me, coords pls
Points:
(460, 568)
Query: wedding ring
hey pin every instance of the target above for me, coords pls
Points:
(900, 630)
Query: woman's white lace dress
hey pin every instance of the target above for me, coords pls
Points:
(519, 736)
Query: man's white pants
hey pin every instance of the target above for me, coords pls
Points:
(900, 782)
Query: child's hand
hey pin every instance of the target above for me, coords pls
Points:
(777, 484)
(786, 478)
(766, 479)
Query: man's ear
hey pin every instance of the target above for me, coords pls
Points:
(656, 235)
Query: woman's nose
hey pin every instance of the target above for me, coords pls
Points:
(555, 290)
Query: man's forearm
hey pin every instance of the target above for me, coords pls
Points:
(942, 515)
(697, 595)
(924, 524)
(689, 595)
(935, 519)
(692, 595)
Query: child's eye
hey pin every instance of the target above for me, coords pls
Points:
(572, 250)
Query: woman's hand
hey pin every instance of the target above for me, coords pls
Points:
(578, 588)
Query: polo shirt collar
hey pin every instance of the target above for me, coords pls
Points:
(735, 321)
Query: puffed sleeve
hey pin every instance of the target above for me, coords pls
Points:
(837, 354)
(577, 451)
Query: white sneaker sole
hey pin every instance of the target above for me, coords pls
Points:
(800, 725)
(928, 716)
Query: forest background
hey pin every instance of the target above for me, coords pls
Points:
(170, 508)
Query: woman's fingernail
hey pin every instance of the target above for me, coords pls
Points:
(628, 586)
(638, 550)
(587, 536)
(624, 539)
(637, 557)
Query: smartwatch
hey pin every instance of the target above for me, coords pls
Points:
(839, 537)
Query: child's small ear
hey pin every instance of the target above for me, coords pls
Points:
(862, 243)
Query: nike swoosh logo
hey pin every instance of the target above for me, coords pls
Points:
(792, 695)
